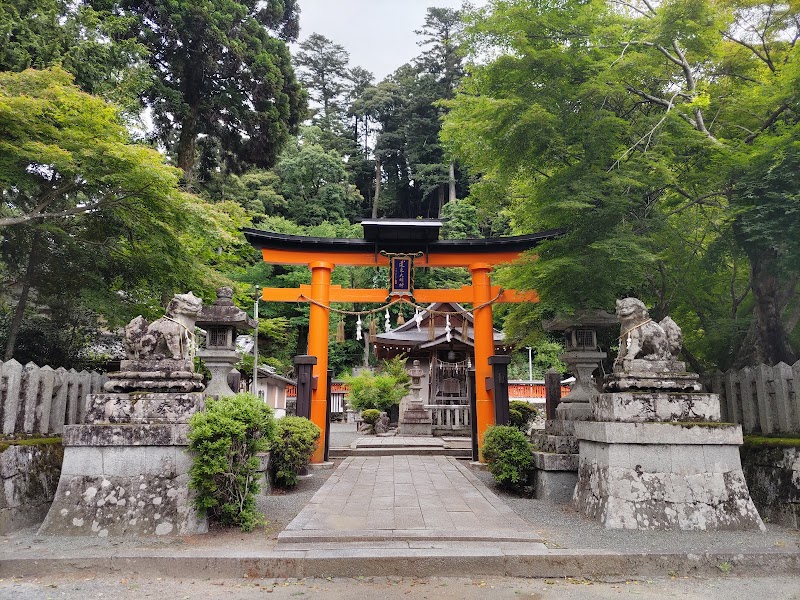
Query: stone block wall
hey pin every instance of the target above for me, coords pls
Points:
(773, 476)
(29, 470)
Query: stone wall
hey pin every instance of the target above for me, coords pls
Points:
(29, 470)
(761, 399)
(773, 476)
(37, 399)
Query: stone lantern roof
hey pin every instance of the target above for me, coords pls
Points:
(225, 313)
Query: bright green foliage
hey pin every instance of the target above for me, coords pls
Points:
(295, 440)
(380, 391)
(47, 33)
(90, 221)
(225, 439)
(522, 414)
(509, 457)
(370, 416)
(644, 132)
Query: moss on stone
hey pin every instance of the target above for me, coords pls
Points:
(704, 424)
(6, 443)
(773, 440)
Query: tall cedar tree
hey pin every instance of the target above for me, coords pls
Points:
(223, 70)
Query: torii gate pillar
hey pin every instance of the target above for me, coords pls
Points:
(484, 346)
(318, 326)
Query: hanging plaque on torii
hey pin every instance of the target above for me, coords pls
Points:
(400, 244)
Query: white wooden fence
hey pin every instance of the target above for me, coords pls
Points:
(42, 399)
(761, 399)
(449, 417)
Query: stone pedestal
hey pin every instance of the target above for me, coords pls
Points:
(219, 363)
(658, 458)
(126, 472)
(556, 461)
(415, 418)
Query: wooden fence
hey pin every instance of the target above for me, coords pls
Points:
(761, 399)
(42, 399)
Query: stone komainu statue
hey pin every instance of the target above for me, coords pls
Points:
(643, 338)
(170, 337)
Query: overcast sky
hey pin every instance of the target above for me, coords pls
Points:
(378, 34)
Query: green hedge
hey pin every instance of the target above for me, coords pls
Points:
(509, 457)
(295, 440)
(225, 439)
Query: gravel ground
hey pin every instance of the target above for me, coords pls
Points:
(562, 527)
(79, 587)
(280, 507)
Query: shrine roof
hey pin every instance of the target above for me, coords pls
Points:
(396, 235)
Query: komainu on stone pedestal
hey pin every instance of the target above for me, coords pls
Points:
(655, 455)
(125, 470)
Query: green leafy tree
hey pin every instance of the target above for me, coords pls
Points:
(223, 71)
(89, 219)
(48, 33)
(640, 126)
(324, 73)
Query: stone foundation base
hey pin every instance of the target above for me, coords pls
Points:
(555, 486)
(665, 480)
(111, 488)
(415, 429)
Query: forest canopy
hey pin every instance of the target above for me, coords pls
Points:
(137, 138)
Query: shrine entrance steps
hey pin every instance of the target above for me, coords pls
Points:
(391, 503)
(395, 445)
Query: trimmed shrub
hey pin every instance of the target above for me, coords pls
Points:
(225, 439)
(379, 391)
(508, 455)
(522, 414)
(295, 440)
(370, 416)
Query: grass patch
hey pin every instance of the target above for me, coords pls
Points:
(6, 443)
(773, 440)
(704, 424)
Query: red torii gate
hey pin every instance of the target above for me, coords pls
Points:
(400, 244)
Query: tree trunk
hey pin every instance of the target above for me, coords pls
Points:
(452, 195)
(187, 143)
(441, 199)
(19, 310)
(767, 341)
(378, 176)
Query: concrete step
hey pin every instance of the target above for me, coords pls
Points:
(465, 453)
(311, 537)
(437, 560)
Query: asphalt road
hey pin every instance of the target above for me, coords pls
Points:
(725, 587)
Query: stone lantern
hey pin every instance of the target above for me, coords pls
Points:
(221, 321)
(415, 419)
(582, 357)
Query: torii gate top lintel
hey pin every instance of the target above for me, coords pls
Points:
(287, 249)
(417, 243)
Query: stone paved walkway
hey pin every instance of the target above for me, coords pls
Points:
(402, 498)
